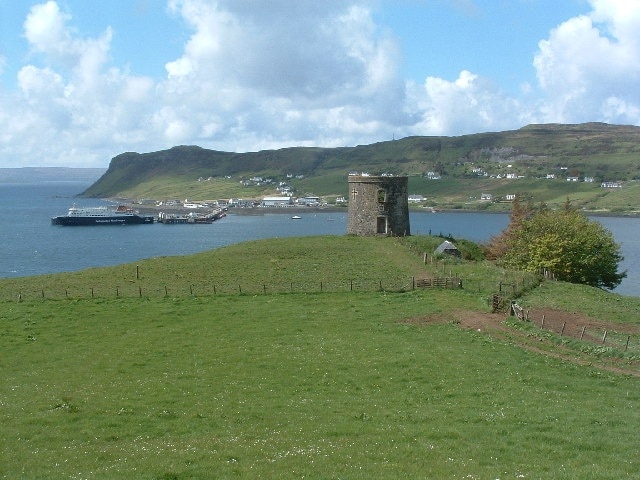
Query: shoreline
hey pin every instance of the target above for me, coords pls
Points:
(155, 210)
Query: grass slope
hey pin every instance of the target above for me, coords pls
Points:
(279, 263)
(314, 385)
(603, 152)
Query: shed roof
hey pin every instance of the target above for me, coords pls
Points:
(446, 247)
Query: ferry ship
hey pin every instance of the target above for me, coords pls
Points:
(120, 215)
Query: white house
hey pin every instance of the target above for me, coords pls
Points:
(277, 201)
(311, 201)
(188, 204)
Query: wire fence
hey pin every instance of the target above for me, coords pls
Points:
(441, 273)
(141, 290)
(603, 337)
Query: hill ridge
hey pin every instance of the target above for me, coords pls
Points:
(599, 151)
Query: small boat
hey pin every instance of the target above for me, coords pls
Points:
(121, 215)
(296, 217)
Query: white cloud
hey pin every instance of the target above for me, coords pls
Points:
(45, 28)
(47, 31)
(36, 83)
(278, 74)
(469, 104)
(255, 75)
(74, 110)
(590, 62)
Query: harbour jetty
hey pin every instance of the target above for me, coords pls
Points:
(191, 217)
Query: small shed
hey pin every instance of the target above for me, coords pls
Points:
(448, 248)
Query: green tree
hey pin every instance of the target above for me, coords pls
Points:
(500, 244)
(566, 243)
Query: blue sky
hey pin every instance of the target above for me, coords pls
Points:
(82, 81)
(493, 38)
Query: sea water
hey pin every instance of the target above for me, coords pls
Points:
(32, 246)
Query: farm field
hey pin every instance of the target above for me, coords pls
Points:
(342, 384)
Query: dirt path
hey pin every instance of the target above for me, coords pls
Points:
(570, 324)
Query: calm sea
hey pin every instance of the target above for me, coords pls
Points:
(32, 246)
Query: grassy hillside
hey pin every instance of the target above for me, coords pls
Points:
(342, 384)
(597, 151)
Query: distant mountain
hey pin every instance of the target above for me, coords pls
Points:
(43, 174)
(598, 151)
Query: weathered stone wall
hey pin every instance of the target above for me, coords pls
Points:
(378, 206)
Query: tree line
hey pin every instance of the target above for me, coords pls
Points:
(563, 242)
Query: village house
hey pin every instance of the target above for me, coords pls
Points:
(309, 201)
(193, 205)
(277, 202)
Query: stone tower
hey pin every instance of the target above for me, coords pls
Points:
(378, 205)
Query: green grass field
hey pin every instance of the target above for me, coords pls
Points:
(343, 384)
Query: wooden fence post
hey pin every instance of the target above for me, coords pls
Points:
(582, 333)
(564, 324)
(627, 344)
(495, 302)
(604, 337)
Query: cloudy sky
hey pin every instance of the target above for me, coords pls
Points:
(81, 81)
